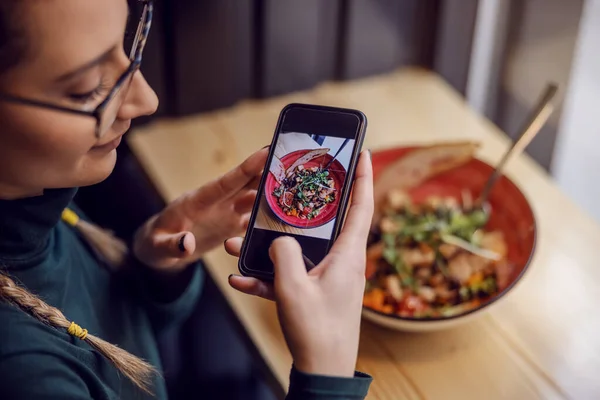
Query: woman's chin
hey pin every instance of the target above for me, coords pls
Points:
(98, 170)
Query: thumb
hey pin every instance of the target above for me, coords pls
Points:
(173, 245)
(286, 255)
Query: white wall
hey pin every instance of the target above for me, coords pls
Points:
(576, 164)
(489, 39)
(519, 46)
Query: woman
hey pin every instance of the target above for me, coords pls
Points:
(69, 89)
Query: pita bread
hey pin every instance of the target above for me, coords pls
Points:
(421, 164)
(277, 169)
(306, 158)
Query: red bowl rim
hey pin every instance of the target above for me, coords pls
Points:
(491, 300)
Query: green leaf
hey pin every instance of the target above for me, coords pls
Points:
(459, 221)
(419, 236)
(479, 218)
(441, 264)
(476, 287)
(407, 280)
(389, 239)
(489, 285)
(389, 254)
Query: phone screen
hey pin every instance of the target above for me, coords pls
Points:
(305, 186)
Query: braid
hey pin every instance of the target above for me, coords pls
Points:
(13, 48)
(137, 370)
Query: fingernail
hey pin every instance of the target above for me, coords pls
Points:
(229, 277)
(266, 146)
(370, 154)
(182, 244)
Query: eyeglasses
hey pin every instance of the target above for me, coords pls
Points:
(106, 112)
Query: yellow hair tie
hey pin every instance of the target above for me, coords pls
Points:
(77, 331)
(70, 217)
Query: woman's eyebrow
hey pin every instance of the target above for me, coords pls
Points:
(87, 66)
(95, 62)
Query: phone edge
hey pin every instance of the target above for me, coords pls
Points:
(340, 218)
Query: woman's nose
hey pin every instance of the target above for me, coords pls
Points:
(141, 99)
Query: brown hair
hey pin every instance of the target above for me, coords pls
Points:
(107, 246)
(137, 370)
(13, 48)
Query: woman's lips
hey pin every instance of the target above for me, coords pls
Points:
(110, 146)
(113, 144)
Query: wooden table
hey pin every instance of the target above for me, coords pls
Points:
(541, 342)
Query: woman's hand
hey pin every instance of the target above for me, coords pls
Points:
(319, 311)
(200, 220)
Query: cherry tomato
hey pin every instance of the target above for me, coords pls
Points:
(412, 304)
(371, 268)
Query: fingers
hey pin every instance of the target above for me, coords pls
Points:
(252, 286)
(233, 246)
(360, 213)
(245, 202)
(178, 245)
(288, 260)
(254, 183)
(233, 181)
(245, 221)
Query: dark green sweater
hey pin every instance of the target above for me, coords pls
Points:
(128, 309)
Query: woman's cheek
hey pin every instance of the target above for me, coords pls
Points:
(75, 164)
(52, 148)
(62, 137)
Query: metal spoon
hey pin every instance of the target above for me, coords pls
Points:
(336, 154)
(534, 124)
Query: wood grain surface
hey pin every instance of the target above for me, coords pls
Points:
(542, 341)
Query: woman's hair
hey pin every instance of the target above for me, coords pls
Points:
(12, 38)
(137, 370)
(13, 48)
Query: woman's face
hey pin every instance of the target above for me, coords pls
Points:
(75, 56)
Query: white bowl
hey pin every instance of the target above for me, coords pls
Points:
(508, 197)
(422, 325)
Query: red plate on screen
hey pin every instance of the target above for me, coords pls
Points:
(336, 172)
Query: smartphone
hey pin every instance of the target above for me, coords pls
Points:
(305, 186)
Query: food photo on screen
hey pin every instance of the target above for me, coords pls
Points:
(304, 185)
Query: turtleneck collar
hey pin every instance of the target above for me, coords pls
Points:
(26, 224)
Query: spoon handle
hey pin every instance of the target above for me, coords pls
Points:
(337, 153)
(533, 125)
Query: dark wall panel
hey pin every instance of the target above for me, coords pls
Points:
(299, 40)
(209, 54)
(381, 35)
(212, 45)
(454, 39)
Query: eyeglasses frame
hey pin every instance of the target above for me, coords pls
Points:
(135, 56)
